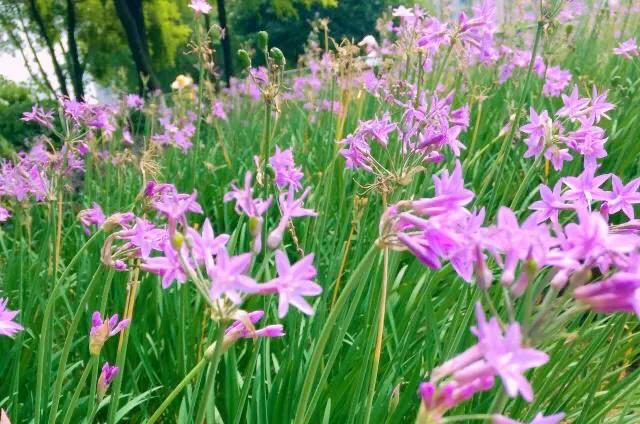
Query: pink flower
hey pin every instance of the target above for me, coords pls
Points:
(4, 214)
(623, 197)
(168, 266)
(200, 6)
(106, 376)
(286, 173)
(207, 245)
(551, 203)
(245, 203)
(39, 116)
(585, 188)
(618, 293)
(8, 327)
(574, 105)
(91, 216)
(239, 330)
(627, 49)
(599, 105)
(538, 128)
(103, 329)
(228, 277)
(290, 207)
(538, 419)
(292, 283)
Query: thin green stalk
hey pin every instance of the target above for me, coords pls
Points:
(47, 321)
(93, 362)
(68, 342)
(132, 289)
(211, 377)
(176, 391)
(379, 336)
(516, 120)
(329, 325)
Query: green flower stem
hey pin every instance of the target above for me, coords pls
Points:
(44, 354)
(211, 377)
(93, 363)
(68, 342)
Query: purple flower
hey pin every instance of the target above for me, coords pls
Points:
(599, 105)
(574, 106)
(538, 419)
(8, 327)
(557, 156)
(505, 354)
(101, 330)
(168, 266)
(146, 237)
(618, 293)
(207, 245)
(4, 214)
(106, 377)
(245, 203)
(200, 6)
(497, 353)
(39, 116)
(556, 81)
(228, 277)
(450, 194)
(239, 329)
(134, 101)
(551, 203)
(627, 49)
(217, 110)
(292, 283)
(585, 188)
(623, 197)
(91, 216)
(285, 170)
(290, 207)
(377, 129)
(175, 205)
(538, 128)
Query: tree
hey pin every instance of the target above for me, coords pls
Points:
(130, 13)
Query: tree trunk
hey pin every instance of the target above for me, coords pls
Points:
(76, 68)
(226, 42)
(37, 17)
(137, 41)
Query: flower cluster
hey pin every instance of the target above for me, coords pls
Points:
(574, 129)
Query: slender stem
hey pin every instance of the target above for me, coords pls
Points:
(380, 333)
(211, 377)
(68, 342)
(322, 340)
(516, 120)
(132, 290)
(43, 356)
(379, 336)
(176, 391)
(76, 393)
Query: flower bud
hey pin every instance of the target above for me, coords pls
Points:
(177, 239)
(277, 56)
(263, 40)
(244, 61)
(106, 376)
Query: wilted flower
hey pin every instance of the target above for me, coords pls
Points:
(101, 330)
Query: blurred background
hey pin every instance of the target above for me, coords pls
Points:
(96, 49)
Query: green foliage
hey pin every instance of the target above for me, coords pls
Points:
(351, 19)
(14, 100)
(167, 31)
